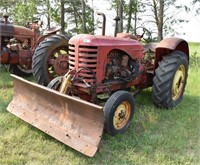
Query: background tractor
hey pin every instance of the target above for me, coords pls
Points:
(97, 92)
(18, 44)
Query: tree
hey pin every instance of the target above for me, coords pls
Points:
(118, 6)
(53, 12)
(132, 11)
(83, 17)
(158, 10)
(128, 12)
(50, 11)
(163, 15)
(24, 11)
(62, 13)
(76, 13)
(7, 6)
(132, 8)
(121, 8)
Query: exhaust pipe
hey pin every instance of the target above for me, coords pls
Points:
(6, 18)
(117, 19)
(104, 23)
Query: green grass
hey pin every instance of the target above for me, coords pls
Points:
(155, 136)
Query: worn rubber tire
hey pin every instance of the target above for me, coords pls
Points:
(169, 67)
(116, 102)
(55, 83)
(41, 55)
(17, 70)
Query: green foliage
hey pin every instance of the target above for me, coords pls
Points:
(194, 55)
(73, 10)
(195, 60)
(6, 6)
(25, 11)
(22, 11)
(131, 14)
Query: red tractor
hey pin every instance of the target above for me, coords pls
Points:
(18, 44)
(97, 92)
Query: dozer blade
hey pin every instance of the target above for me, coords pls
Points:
(75, 122)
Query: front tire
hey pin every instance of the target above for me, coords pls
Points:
(170, 80)
(118, 112)
(55, 83)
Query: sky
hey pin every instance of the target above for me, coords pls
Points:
(191, 29)
(188, 30)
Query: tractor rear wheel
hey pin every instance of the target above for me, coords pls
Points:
(170, 80)
(118, 112)
(50, 59)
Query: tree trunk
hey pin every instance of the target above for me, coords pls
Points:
(83, 17)
(135, 23)
(129, 16)
(75, 15)
(48, 15)
(160, 18)
(62, 20)
(121, 16)
(92, 18)
(158, 8)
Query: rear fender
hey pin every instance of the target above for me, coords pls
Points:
(168, 45)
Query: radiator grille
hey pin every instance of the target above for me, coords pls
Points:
(85, 57)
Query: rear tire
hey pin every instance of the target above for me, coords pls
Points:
(170, 80)
(118, 112)
(47, 59)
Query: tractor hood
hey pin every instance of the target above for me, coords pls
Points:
(15, 31)
(105, 44)
(95, 40)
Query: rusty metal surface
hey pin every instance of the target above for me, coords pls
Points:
(76, 123)
(52, 30)
(126, 35)
(168, 45)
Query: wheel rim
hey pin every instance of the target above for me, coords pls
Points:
(57, 62)
(122, 115)
(178, 82)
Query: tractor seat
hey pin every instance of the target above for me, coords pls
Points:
(52, 30)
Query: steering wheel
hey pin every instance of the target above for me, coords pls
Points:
(145, 36)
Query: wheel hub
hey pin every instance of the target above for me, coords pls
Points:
(121, 115)
(178, 82)
(61, 64)
(58, 63)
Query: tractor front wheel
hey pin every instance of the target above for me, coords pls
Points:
(55, 83)
(170, 80)
(118, 112)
